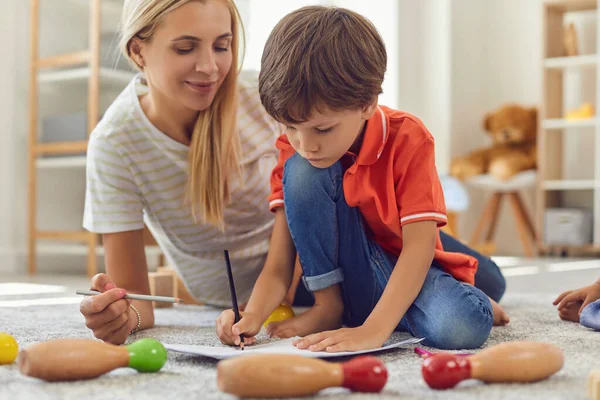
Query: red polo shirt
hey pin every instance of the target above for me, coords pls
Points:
(393, 182)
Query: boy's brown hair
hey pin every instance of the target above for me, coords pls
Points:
(318, 57)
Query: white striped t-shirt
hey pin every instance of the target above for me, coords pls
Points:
(137, 174)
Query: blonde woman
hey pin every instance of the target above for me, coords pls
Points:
(186, 148)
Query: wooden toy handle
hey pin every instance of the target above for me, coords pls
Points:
(520, 361)
(71, 359)
(272, 375)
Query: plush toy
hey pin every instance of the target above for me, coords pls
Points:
(513, 129)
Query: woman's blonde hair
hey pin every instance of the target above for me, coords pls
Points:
(215, 148)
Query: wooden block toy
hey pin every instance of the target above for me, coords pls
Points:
(162, 284)
(8, 348)
(180, 290)
(570, 41)
(271, 375)
(506, 362)
(593, 385)
(281, 313)
(74, 359)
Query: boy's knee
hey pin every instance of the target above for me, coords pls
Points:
(303, 181)
(467, 329)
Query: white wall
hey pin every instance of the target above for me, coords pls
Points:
(496, 59)
(424, 68)
(8, 27)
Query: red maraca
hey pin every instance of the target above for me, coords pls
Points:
(272, 375)
(506, 362)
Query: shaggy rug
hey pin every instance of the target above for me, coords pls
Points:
(184, 376)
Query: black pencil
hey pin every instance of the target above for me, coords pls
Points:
(236, 310)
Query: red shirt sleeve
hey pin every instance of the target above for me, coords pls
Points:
(419, 190)
(285, 152)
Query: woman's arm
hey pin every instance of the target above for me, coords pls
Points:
(126, 266)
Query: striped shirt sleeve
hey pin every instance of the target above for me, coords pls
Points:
(419, 191)
(113, 201)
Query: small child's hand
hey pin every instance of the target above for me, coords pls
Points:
(249, 325)
(581, 297)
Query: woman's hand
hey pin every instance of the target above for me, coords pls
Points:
(108, 314)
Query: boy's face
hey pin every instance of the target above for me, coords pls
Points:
(327, 135)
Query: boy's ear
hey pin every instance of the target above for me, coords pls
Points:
(369, 110)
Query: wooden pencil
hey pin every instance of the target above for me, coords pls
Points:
(236, 310)
(134, 296)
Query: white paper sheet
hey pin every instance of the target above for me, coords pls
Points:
(284, 346)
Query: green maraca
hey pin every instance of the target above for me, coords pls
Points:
(74, 359)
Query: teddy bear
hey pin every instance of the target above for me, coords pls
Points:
(513, 130)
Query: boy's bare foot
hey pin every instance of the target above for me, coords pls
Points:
(500, 316)
(325, 315)
(570, 312)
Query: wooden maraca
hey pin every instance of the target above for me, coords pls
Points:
(272, 375)
(73, 359)
(506, 362)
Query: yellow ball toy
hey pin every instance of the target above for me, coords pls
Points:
(8, 348)
(281, 313)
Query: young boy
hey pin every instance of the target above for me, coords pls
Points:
(357, 196)
(581, 305)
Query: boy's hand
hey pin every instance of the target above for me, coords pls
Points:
(249, 325)
(584, 296)
(345, 339)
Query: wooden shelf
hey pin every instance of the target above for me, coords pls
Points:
(588, 60)
(107, 76)
(560, 123)
(61, 162)
(75, 249)
(571, 5)
(570, 184)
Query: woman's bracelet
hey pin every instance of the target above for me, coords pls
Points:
(139, 320)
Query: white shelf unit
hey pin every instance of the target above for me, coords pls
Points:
(61, 162)
(554, 187)
(107, 76)
(70, 73)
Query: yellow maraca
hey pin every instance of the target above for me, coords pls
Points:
(281, 313)
(8, 348)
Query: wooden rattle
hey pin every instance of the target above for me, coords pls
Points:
(506, 362)
(272, 375)
(8, 348)
(73, 359)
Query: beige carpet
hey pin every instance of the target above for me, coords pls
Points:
(533, 318)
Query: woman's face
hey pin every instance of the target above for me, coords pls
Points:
(189, 54)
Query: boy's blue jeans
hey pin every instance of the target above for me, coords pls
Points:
(333, 248)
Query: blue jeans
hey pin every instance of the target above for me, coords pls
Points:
(333, 248)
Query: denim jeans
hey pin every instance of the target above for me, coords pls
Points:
(334, 249)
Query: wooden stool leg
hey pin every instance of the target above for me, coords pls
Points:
(523, 211)
(497, 200)
(522, 224)
(488, 218)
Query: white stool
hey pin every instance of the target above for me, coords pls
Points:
(489, 217)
